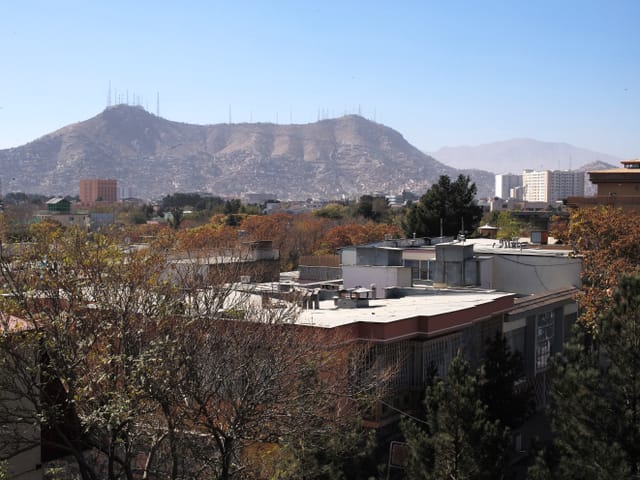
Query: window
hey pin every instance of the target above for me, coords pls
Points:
(544, 337)
(438, 354)
(415, 267)
(515, 340)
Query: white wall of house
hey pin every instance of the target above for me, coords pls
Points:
(348, 256)
(527, 274)
(365, 276)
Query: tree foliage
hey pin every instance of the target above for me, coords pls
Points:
(355, 234)
(372, 208)
(333, 211)
(607, 240)
(508, 226)
(330, 455)
(596, 395)
(499, 387)
(458, 440)
(448, 204)
(134, 370)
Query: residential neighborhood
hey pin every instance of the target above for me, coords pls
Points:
(396, 312)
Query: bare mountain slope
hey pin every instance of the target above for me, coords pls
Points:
(347, 156)
(513, 156)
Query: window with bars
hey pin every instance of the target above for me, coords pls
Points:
(437, 355)
(391, 366)
(544, 338)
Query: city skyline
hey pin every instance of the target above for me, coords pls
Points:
(441, 74)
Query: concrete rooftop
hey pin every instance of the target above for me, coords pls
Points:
(428, 302)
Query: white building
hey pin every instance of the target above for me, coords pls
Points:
(551, 185)
(505, 182)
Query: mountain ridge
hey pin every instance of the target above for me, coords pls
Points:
(517, 154)
(335, 158)
(329, 159)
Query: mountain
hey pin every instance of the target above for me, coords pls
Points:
(590, 167)
(513, 156)
(329, 159)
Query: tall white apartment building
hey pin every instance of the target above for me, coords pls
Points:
(551, 185)
(505, 182)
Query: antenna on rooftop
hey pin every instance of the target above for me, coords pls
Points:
(109, 95)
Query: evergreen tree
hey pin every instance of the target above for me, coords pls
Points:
(452, 203)
(596, 394)
(505, 399)
(458, 439)
(346, 454)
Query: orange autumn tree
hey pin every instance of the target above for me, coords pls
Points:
(206, 237)
(293, 235)
(356, 234)
(607, 239)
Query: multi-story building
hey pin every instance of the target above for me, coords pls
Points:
(616, 187)
(505, 183)
(416, 306)
(551, 185)
(98, 190)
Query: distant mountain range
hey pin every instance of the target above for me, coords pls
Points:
(330, 159)
(513, 156)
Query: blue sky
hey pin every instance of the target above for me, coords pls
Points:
(440, 72)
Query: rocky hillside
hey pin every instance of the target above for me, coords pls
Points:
(329, 159)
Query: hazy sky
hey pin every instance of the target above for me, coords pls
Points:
(440, 72)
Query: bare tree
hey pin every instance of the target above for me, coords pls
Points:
(153, 363)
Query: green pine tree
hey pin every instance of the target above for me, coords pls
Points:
(458, 440)
(596, 395)
(505, 399)
(450, 204)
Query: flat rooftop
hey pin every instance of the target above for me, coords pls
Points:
(487, 245)
(427, 303)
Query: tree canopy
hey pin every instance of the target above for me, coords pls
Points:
(607, 240)
(458, 438)
(596, 396)
(133, 370)
(447, 204)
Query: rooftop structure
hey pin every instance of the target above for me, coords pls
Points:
(58, 204)
(420, 311)
(617, 187)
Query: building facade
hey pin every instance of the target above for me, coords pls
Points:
(98, 190)
(551, 185)
(505, 183)
(615, 187)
